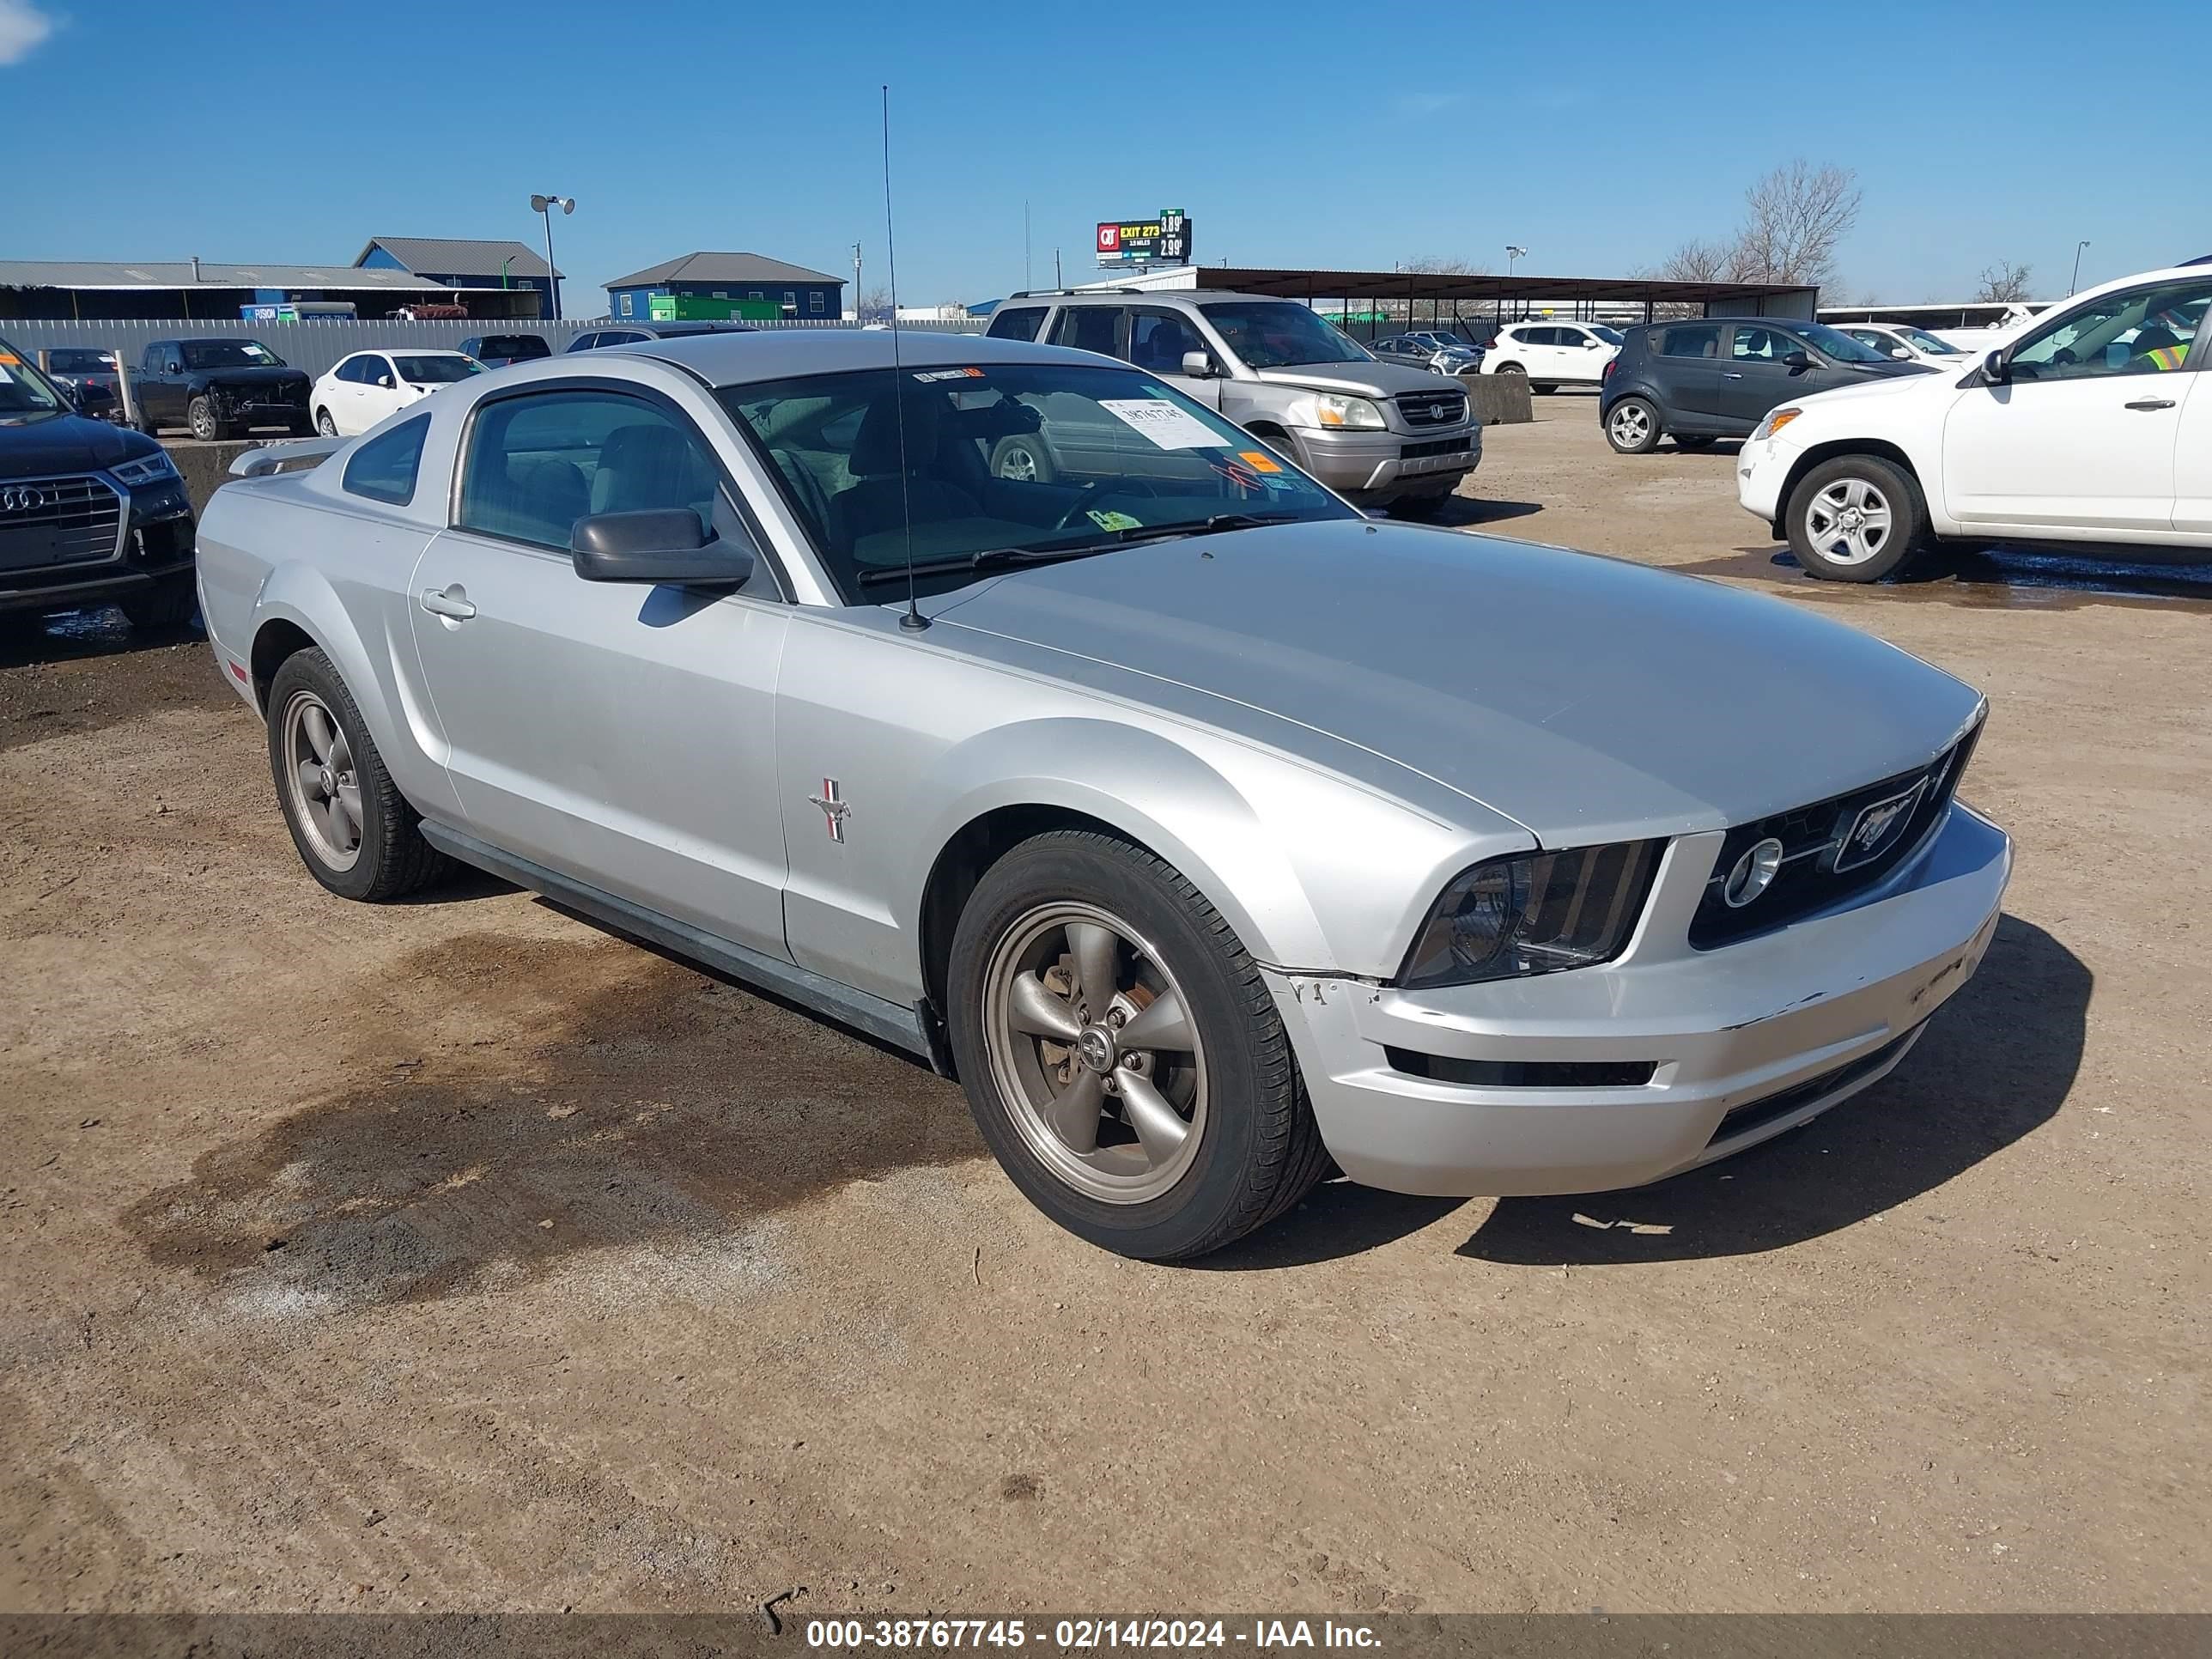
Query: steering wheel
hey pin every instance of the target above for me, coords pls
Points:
(1080, 508)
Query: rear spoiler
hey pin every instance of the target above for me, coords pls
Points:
(286, 457)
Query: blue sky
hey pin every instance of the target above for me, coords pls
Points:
(1292, 134)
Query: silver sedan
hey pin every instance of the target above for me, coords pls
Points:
(1205, 829)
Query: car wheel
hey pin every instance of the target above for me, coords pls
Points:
(325, 424)
(1855, 519)
(207, 426)
(355, 830)
(1631, 426)
(168, 604)
(1122, 1054)
(1509, 368)
(1022, 459)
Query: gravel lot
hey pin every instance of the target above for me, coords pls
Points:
(457, 1255)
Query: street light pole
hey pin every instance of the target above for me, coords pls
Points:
(544, 206)
(1512, 254)
(856, 285)
(2075, 280)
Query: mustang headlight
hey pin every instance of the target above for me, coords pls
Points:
(147, 469)
(1334, 409)
(1534, 913)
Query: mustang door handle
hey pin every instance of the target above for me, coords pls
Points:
(440, 602)
(2152, 403)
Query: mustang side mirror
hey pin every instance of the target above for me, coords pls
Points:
(657, 544)
(1200, 365)
(1997, 368)
(1794, 361)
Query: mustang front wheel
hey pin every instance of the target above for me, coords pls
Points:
(1122, 1054)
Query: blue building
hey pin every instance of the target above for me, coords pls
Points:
(800, 292)
(459, 262)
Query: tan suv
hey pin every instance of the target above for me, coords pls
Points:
(1378, 434)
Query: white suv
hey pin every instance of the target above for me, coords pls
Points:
(1553, 355)
(2085, 427)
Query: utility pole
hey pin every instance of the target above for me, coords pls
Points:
(856, 285)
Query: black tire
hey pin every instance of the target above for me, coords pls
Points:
(1694, 439)
(207, 425)
(325, 424)
(302, 427)
(1631, 426)
(393, 859)
(148, 425)
(1542, 388)
(1023, 459)
(166, 605)
(1259, 1150)
(1832, 550)
(1510, 368)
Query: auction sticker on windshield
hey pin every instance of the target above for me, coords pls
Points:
(1162, 424)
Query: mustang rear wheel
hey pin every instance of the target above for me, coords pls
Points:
(354, 831)
(1122, 1055)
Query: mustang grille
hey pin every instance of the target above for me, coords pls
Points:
(1445, 408)
(1823, 863)
(50, 521)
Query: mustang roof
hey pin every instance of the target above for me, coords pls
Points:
(772, 353)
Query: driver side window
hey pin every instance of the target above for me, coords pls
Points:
(2150, 331)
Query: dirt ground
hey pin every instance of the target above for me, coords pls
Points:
(457, 1255)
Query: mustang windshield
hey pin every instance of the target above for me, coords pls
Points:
(980, 467)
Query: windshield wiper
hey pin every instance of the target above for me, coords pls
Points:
(1212, 527)
(991, 558)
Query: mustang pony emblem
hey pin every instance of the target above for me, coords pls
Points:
(1870, 833)
(833, 808)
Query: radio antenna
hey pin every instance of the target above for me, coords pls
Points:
(914, 621)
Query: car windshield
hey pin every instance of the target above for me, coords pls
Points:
(437, 371)
(79, 362)
(24, 396)
(1833, 343)
(230, 353)
(1610, 336)
(1922, 340)
(1277, 333)
(977, 466)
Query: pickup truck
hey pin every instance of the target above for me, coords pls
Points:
(219, 388)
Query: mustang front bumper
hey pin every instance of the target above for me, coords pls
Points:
(1743, 1041)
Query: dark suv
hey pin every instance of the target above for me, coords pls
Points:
(1716, 377)
(498, 351)
(90, 512)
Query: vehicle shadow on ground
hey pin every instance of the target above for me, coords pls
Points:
(1991, 578)
(99, 630)
(1471, 511)
(1995, 1065)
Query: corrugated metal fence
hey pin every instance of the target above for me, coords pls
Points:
(320, 345)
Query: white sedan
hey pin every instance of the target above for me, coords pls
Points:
(368, 386)
(1903, 343)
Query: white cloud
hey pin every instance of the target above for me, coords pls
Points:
(23, 29)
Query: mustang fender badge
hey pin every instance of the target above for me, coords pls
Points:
(831, 800)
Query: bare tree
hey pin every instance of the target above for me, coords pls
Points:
(1436, 264)
(1795, 220)
(874, 305)
(2003, 281)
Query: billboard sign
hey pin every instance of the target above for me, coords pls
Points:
(1162, 240)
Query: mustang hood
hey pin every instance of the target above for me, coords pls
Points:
(1587, 698)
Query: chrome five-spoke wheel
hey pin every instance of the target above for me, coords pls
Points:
(325, 785)
(1092, 1046)
(1849, 521)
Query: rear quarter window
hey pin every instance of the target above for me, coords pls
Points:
(385, 467)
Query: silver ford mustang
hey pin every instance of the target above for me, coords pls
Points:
(1204, 829)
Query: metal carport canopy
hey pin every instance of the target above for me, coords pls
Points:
(1754, 299)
